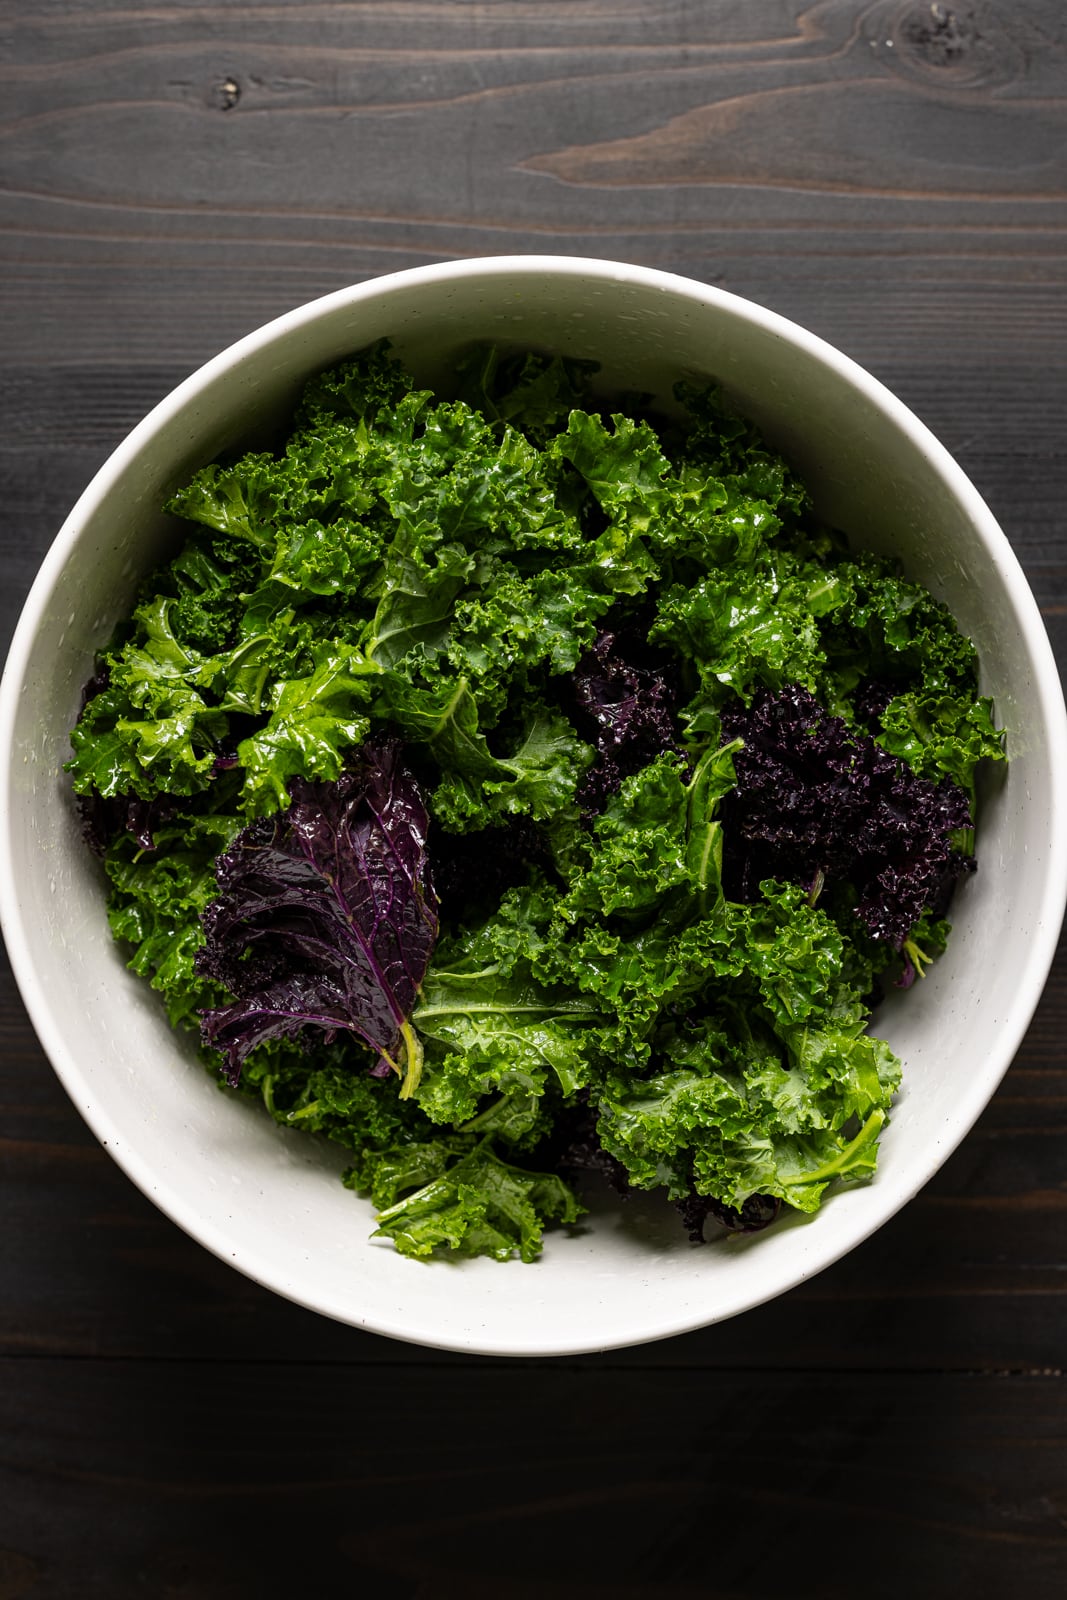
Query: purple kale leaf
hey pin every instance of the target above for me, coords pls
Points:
(757, 1213)
(326, 917)
(870, 699)
(821, 805)
(629, 706)
(103, 819)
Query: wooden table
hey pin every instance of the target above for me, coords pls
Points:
(890, 175)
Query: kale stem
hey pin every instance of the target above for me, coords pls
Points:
(413, 1051)
(844, 1158)
(305, 1111)
(918, 958)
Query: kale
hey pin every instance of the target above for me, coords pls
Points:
(533, 392)
(630, 708)
(103, 819)
(445, 1194)
(157, 900)
(332, 1093)
(691, 779)
(820, 805)
(757, 1213)
(326, 918)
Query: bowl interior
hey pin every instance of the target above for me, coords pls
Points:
(269, 1201)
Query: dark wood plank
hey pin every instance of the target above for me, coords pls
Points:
(285, 150)
(235, 1480)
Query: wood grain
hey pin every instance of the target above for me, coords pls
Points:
(893, 176)
(228, 1481)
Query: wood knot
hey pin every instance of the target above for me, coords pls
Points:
(224, 94)
(942, 36)
(963, 48)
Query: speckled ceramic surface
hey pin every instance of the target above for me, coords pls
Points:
(269, 1202)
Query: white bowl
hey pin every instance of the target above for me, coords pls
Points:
(269, 1201)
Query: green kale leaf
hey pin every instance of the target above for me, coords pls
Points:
(941, 734)
(314, 721)
(487, 1033)
(474, 1205)
(156, 900)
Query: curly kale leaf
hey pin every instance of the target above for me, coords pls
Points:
(658, 843)
(727, 448)
(941, 734)
(152, 730)
(703, 1131)
(371, 390)
(490, 1033)
(157, 899)
(314, 721)
(681, 517)
(165, 720)
(332, 1093)
(240, 501)
(629, 704)
(625, 468)
(743, 629)
(466, 1200)
(535, 393)
(895, 629)
(538, 776)
(820, 805)
(208, 580)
